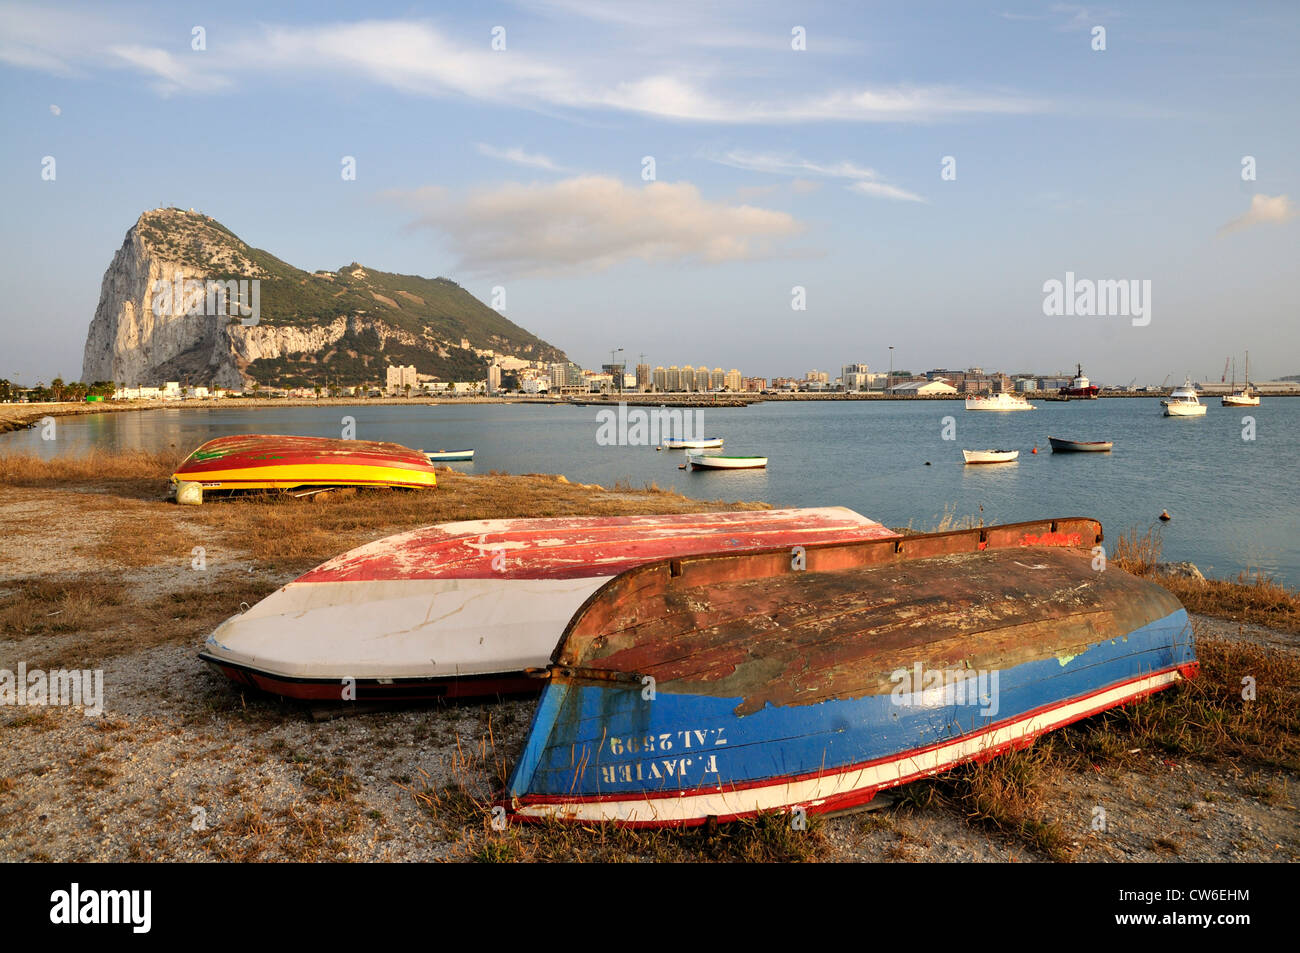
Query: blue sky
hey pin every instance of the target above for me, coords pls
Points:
(774, 168)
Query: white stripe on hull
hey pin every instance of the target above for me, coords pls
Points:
(815, 791)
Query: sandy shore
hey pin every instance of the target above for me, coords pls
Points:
(183, 766)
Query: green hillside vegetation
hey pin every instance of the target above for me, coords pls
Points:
(437, 310)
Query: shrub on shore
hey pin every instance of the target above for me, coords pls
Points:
(1252, 597)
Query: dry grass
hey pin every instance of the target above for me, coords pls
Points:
(290, 533)
(1206, 718)
(1253, 598)
(80, 621)
(98, 467)
(1008, 793)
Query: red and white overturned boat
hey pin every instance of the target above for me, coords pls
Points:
(464, 609)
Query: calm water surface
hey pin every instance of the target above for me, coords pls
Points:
(1233, 501)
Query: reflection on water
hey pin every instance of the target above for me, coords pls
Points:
(1232, 500)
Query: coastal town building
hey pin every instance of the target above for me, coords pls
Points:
(688, 379)
(399, 377)
(923, 388)
(566, 374)
(855, 377)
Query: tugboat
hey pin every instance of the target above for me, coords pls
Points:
(1081, 386)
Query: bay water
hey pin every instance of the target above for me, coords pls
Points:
(1229, 479)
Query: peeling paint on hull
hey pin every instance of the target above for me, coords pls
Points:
(774, 688)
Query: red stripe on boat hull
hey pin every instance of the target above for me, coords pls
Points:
(374, 690)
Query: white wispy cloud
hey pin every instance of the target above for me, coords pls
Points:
(883, 190)
(520, 157)
(861, 179)
(592, 222)
(170, 74)
(415, 57)
(1067, 16)
(1264, 210)
(715, 25)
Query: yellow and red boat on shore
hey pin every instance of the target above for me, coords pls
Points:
(268, 462)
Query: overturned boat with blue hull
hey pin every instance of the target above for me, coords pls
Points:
(722, 686)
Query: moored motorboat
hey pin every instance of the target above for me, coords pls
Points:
(703, 443)
(990, 456)
(447, 456)
(264, 462)
(1183, 402)
(1001, 401)
(1061, 445)
(711, 461)
(462, 609)
(718, 687)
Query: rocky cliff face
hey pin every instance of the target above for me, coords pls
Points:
(159, 317)
(130, 340)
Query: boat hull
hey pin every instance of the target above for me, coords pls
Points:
(1185, 410)
(1080, 446)
(442, 611)
(999, 404)
(1238, 400)
(990, 456)
(448, 456)
(699, 461)
(267, 462)
(704, 444)
(721, 687)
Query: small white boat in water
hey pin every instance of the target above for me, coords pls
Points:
(706, 461)
(1002, 401)
(1241, 396)
(440, 456)
(1184, 402)
(703, 443)
(990, 456)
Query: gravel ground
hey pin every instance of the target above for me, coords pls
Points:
(177, 748)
